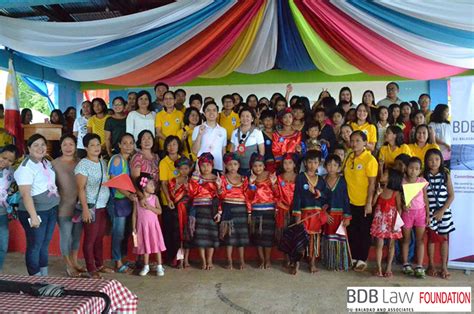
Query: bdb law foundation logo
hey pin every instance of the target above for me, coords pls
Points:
(409, 299)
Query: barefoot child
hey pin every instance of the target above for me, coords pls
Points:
(440, 196)
(311, 195)
(146, 226)
(179, 190)
(262, 193)
(286, 185)
(387, 203)
(415, 214)
(334, 249)
(203, 191)
(234, 230)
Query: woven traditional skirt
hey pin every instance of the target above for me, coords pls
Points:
(334, 250)
(262, 227)
(206, 234)
(234, 226)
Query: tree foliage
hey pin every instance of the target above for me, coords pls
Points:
(31, 99)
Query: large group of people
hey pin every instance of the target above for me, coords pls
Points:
(236, 174)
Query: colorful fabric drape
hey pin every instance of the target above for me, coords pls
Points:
(426, 48)
(239, 50)
(291, 54)
(61, 38)
(262, 54)
(365, 49)
(186, 39)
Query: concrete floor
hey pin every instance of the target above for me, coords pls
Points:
(249, 291)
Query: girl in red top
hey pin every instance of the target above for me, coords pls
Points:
(287, 140)
(234, 230)
(203, 191)
(286, 185)
(179, 193)
(262, 193)
(387, 202)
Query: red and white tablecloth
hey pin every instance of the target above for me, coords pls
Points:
(122, 299)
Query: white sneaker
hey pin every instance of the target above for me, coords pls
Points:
(160, 270)
(144, 271)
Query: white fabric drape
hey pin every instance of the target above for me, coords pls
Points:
(426, 48)
(55, 39)
(263, 53)
(144, 59)
(453, 13)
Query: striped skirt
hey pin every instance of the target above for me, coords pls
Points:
(334, 252)
(206, 234)
(262, 228)
(234, 229)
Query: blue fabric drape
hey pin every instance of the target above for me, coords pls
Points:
(41, 88)
(123, 49)
(291, 54)
(419, 27)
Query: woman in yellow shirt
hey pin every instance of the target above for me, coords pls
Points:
(192, 118)
(360, 172)
(169, 120)
(363, 124)
(424, 140)
(96, 123)
(394, 146)
(169, 215)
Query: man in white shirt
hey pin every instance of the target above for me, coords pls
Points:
(392, 95)
(79, 128)
(210, 136)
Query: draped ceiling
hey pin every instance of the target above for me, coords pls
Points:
(187, 39)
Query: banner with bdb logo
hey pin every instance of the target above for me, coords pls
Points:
(409, 299)
(462, 172)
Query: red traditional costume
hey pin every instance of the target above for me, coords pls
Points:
(262, 197)
(282, 144)
(234, 222)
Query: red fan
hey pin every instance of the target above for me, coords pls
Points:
(122, 182)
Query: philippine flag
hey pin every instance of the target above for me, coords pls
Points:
(12, 110)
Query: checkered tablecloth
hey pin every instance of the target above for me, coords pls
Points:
(122, 299)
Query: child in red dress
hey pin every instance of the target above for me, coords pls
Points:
(179, 194)
(387, 203)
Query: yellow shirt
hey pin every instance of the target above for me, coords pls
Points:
(369, 130)
(357, 172)
(420, 152)
(167, 172)
(229, 123)
(388, 155)
(5, 138)
(186, 152)
(168, 123)
(97, 125)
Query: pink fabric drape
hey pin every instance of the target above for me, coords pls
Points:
(367, 50)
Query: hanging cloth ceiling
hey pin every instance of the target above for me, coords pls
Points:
(187, 39)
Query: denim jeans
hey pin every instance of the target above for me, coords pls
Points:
(121, 230)
(38, 239)
(69, 235)
(3, 239)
